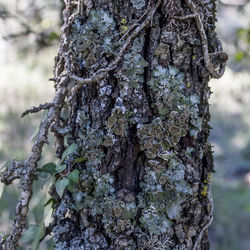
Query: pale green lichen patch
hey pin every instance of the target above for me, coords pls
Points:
(94, 41)
(97, 200)
(164, 188)
(179, 113)
(154, 222)
(90, 140)
(163, 192)
(116, 123)
(138, 4)
(132, 70)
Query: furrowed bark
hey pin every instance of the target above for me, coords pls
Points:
(137, 108)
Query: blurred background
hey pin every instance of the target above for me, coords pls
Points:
(29, 33)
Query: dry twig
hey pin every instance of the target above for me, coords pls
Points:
(37, 109)
(206, 55)
(208, 221)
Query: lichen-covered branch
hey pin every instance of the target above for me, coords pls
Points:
(37, 109)
(205, 47)
(27, 170)
(208, 220)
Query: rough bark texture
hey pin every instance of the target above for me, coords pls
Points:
(136, 108)
(143, 128)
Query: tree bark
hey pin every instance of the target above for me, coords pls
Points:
(134, 76)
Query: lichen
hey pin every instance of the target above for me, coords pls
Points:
(116, 123)
(204, 191)
(90, 140)
(138, 4)
(132, 70)
(93, 42)
(163, 192)
(179, 114)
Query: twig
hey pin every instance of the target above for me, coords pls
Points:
(211, 69)
(134, 25)
(221, 54)
(14, 170)
(208, 221)
(37, 109)
(101, 73)
(26, 184)
(28, 168)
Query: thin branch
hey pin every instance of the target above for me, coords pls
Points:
(37, 109)
(211, 69)
(14, 170)
(28, 168)
(26, 183)
(208, 221)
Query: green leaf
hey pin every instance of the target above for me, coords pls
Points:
(61, 185)
(70, 187)
(239, 56)
(40, 234)
(4, 236)
(60, 168)
(34, 234)
(69, 150)
(49, 201)
(53, 36)
(29, 234)
(79, 160)
(74, 176)
(49, 168)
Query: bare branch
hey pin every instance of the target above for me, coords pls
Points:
(37, 109)
(210, 67)
(208, 221)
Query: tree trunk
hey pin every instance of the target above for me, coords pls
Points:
(134, 77)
